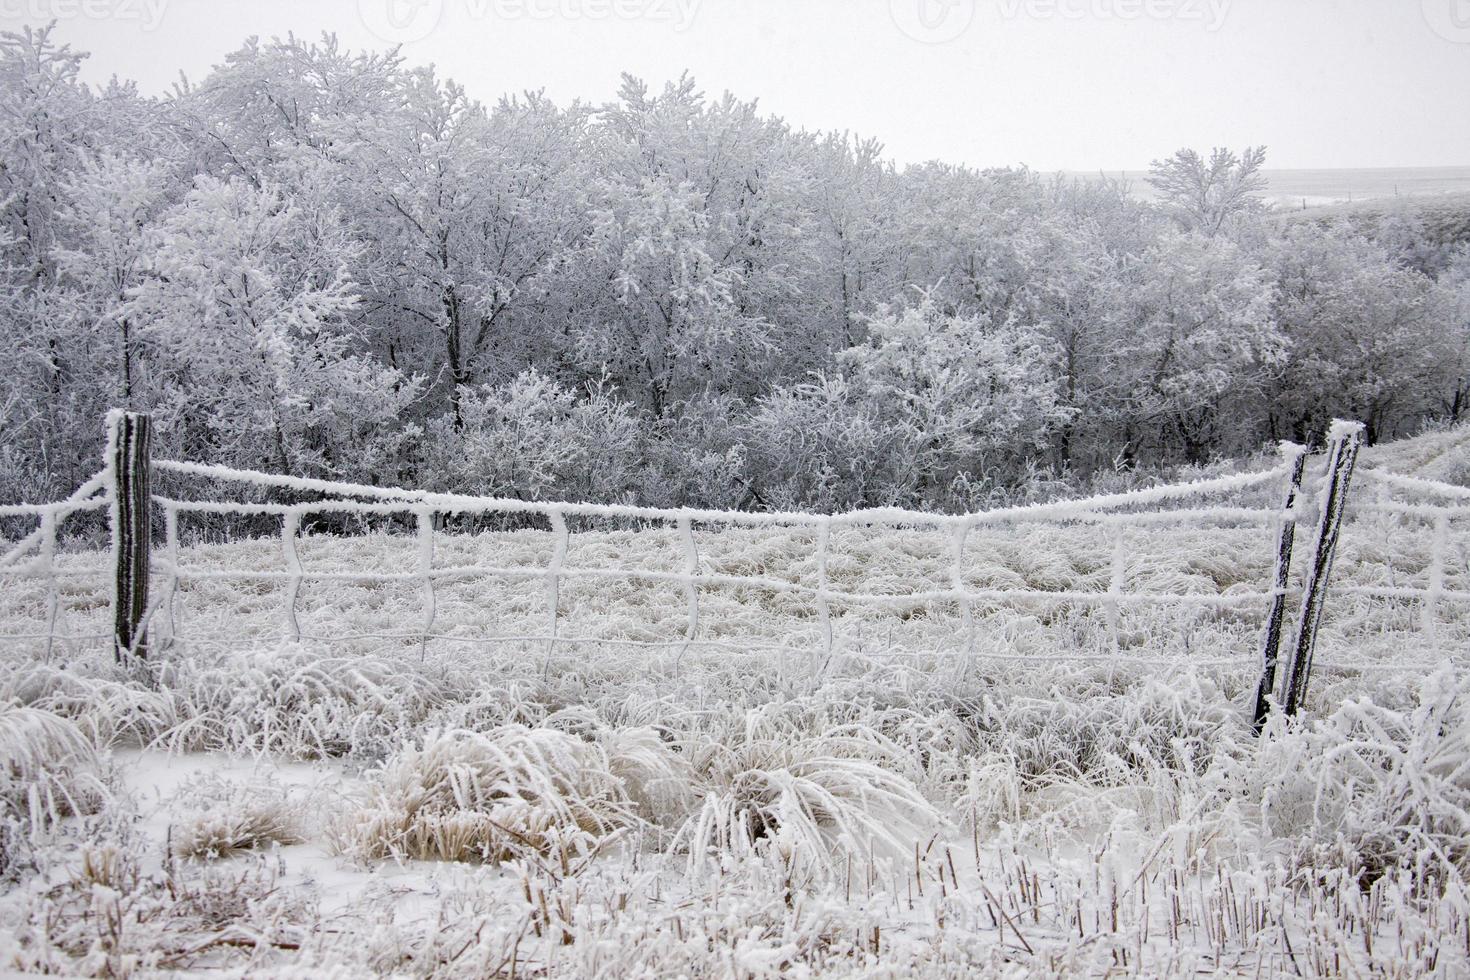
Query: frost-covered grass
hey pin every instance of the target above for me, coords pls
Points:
(49, 770)
(575, 817)
(1037, 790)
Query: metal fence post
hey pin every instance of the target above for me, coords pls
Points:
(1296, 458)
(129, 438)
(1344, 441)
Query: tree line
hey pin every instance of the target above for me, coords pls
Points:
(337, 264)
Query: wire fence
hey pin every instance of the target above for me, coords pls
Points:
(693, 576)
(1181, 572)
(1428, 574)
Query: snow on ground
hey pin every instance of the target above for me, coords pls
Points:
(933, 796)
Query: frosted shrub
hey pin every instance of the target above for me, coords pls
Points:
(467, 796)
(534, 438)
(699, 458)
(817, 446)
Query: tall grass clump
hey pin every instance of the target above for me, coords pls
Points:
(220, 817)
(48, 770)
(776, 788)
(490, 797)
(295, 702)
(1090, 726)
(1376, 789)
(652, 774)
(110, 703)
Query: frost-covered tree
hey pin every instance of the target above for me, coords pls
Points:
(1371, 338)
(1455, 283)
(849, 259)
(244, 311)
(1207, 195)
(335, 262)
(673, 325)
(1196, 346)
(110, 203)
(676, 267)
(61, 356)
(970, 395)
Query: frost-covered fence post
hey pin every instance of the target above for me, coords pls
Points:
(1296, 458)
(1344, 440)
(129, 438)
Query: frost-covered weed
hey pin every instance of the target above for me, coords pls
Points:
(219, 817)
(814, 794)
(489, 797)
(295, 702)
(1374, 789)
(111, 917)
(48, 770)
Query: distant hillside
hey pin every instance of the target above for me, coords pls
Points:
(1293, 189)
(1442, 455)
(1445, 217)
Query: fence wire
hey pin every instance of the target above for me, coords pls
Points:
(694, 577)
(716, 595)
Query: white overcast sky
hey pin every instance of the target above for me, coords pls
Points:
(1055, 84)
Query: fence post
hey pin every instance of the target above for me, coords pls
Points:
(1344, 441)
(129, 436)
(1296, 457)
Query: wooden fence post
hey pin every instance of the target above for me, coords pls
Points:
(1344, 441)
(1296, 457)
(129, 439)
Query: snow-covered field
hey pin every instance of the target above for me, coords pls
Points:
(1035, 789)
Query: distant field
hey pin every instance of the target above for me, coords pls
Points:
(1324, 187)
(1446, 217)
